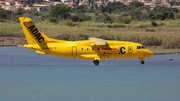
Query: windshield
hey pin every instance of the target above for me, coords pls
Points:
(141, 47)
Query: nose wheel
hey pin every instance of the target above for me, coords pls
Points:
(142, 62)
(96, 62)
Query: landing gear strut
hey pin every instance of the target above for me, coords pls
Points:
(96, 62)
(142, 62)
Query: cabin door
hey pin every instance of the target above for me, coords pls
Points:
(74, 51)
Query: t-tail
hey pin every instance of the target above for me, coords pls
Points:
(35, 38)
(31, 31)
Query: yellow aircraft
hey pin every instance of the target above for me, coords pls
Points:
(93, 49)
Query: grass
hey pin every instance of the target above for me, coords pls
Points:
(167, 34)
(160, 50)
(10, 29)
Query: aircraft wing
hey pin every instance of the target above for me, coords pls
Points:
(98, 41)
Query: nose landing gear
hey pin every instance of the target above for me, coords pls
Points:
(96, 62)
(142, 62)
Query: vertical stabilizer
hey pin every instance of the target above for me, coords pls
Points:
(32, 33)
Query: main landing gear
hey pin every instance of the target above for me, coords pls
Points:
(142, 62)
(96, 62)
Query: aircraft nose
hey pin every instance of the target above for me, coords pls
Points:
(148, 53)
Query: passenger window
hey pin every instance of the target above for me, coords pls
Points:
(81, 48)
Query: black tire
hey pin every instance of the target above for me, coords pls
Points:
(142, 62)
(96, 62)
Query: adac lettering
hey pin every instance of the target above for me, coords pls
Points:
(121, 50)
(36, 33)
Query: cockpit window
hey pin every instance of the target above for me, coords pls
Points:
(138, 47)
(141, 47)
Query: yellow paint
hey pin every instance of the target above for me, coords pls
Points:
(94, 49)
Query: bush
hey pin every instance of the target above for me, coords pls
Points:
(126, 20)
(115, 25)
(150, 30)
(75, 18)
(69, 23)
(80, 17)
(106, 18)
(153, 23)
(101, 18)
(53, 20)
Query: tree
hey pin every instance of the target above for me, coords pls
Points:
(95, 6)
(160, 9)
(159, 16)
(135, 4)
(165, 15)
(3, 14)
(115, 7)
(82, 8)
(60, 9)
(20, 11)
(0, 8)
(171, 3)
(175, 10)
(170, 15)
(140, 14)
(57, 0)
(31, 2)
(102, 8)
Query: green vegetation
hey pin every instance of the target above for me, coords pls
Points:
(166, 34)
(116, 21)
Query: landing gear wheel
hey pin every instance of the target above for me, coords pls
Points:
(142, 62)
(96, 62)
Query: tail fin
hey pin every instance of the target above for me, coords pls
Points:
(31, 31)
